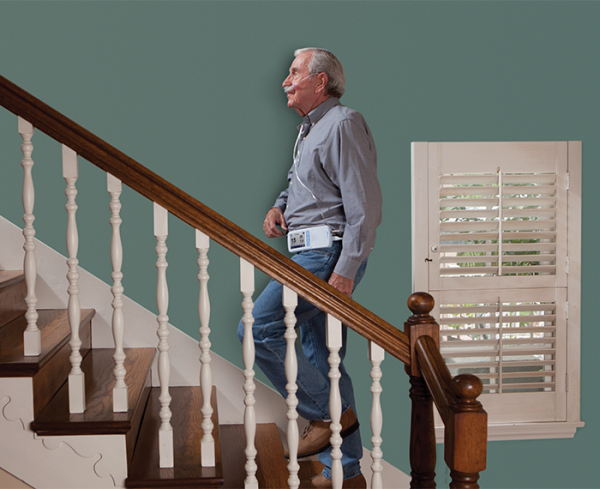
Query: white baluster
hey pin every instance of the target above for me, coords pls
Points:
(290, 301)
(31, 338)
(208, 442)
(76, 377)
(120, 404)
(334, 343)
(247, 289)
(165, 432)
(376, 356)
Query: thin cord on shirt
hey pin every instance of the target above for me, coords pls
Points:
(296, 156)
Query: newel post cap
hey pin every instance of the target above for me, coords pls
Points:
(467, 388)
(420, 304)
(420, 324)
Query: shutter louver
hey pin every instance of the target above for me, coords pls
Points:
(510, 346)
(497, 225)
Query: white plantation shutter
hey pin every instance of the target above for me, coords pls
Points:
(491, 245)
(501, 221)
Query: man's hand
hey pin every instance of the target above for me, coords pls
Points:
(273, 219)
(343, 284)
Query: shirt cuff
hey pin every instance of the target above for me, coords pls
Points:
(347, 267)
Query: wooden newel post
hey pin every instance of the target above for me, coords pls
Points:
(422, 431)
(465, 447)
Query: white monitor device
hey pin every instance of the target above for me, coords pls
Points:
(309, 238)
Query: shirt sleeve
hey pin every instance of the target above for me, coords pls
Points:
(351, 163)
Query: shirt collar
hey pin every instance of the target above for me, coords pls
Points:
(318, 112)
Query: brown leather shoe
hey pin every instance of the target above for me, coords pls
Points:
(320, 481)
(316, 435)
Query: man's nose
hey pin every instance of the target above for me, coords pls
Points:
(286, 82)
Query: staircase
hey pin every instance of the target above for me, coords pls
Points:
(64, 393)
(47, 376)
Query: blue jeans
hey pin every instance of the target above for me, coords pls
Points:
(313, 367)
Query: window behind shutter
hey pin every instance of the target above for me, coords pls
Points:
(493, 222)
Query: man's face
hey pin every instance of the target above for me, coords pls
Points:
(302, 97)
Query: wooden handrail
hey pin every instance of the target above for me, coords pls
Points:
(199, 216)
(436, 375)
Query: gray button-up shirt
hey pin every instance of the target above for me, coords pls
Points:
(334, 182)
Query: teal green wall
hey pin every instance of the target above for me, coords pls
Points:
(193, 91)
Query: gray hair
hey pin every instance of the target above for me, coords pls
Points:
(323, 61)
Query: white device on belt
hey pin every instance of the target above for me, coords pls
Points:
(310, 238)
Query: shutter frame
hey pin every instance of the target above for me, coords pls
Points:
(429, 161)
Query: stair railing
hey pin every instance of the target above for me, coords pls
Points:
(465, 421)
(417, 347)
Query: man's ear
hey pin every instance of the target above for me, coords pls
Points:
(322, 84)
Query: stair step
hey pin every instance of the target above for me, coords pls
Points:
(99, 418)
(308, 469)
(272, 470)
(50, 369)
(55, 334)
(12, 295)
(229, 471)
(186, 421)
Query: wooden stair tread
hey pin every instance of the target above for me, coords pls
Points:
(272, 470)
(13, 290)
(186, 421)
(10, 277)
(55, 332)
(229, 471)
(99, 417)
(308, 469)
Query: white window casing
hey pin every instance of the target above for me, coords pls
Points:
(496, 239)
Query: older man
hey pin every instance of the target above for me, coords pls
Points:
(332, 182)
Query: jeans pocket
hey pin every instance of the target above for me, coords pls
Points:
(320, 262)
